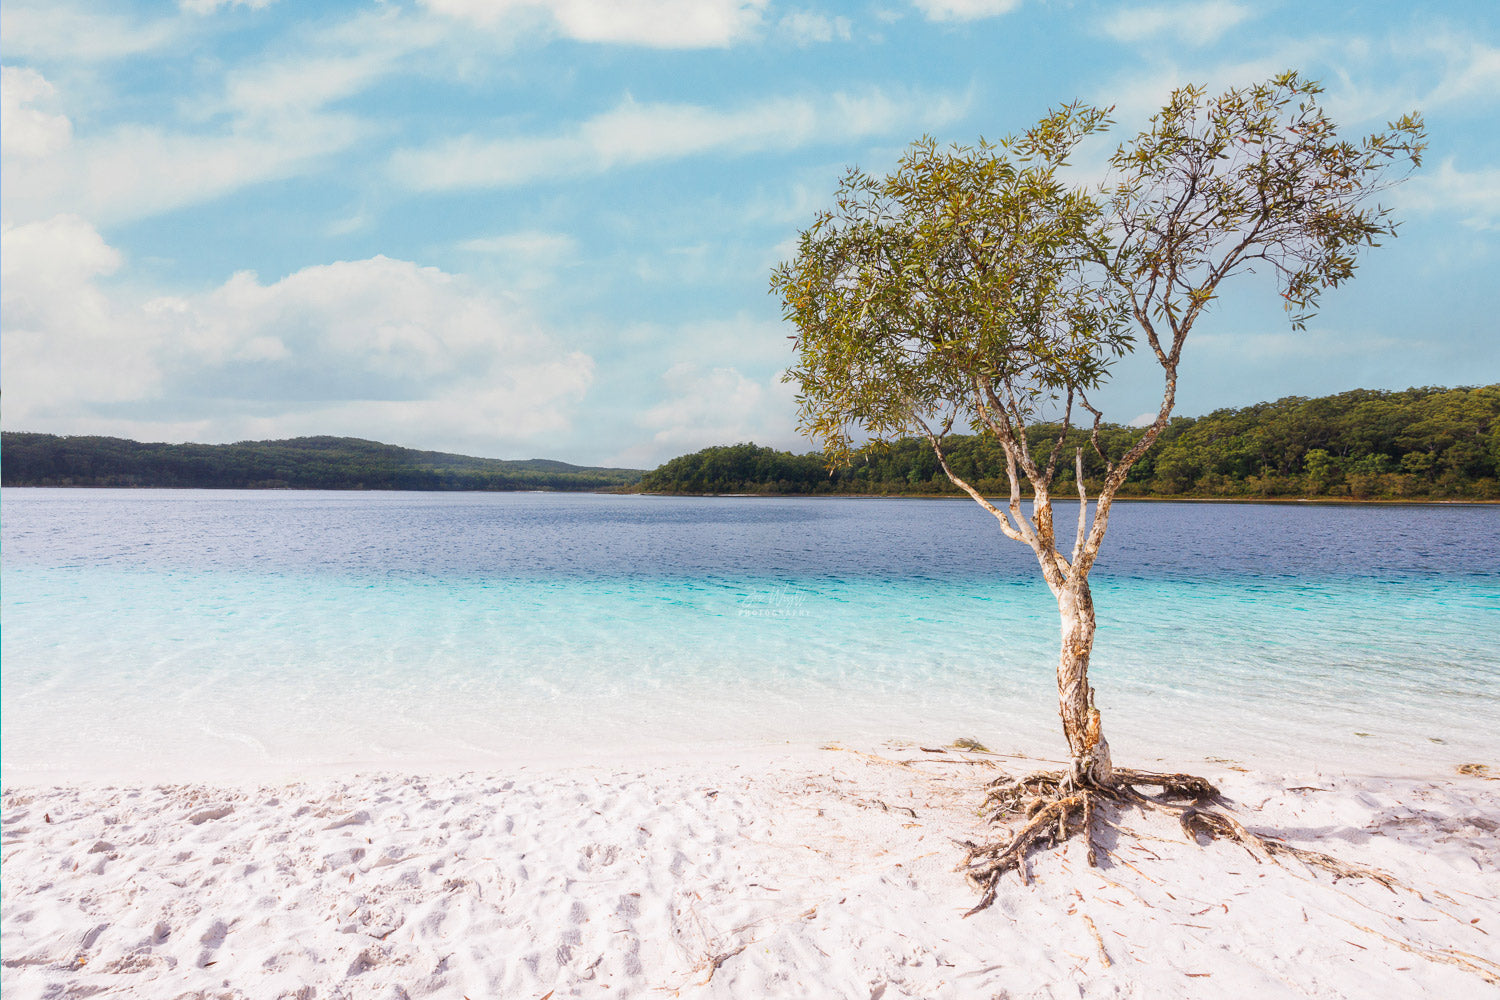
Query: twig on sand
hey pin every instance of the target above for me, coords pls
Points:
(948, 760)
(1484, 968)
(717, 960)
(867, 756)
(1103, 954)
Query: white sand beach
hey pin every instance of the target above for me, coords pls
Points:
(803, 872)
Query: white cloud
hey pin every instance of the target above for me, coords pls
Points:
(267, 122)
(1433, 71)
(56, 30)
(634, 134)
(712, 406)
(1472, 195)
(65, 339)
(211, 6)
(669, 389)
(375, 347)
(1197, 23)
(805, 27)
(525, 260)
(964, 10)
(1368, 82)
(749, 344)
(385, 341)
(527, 248)
(27, 130)
(136, 171)
(302, 83)
(528, 245)
(1471, 70)
(793, 203)
(654, 23)
(336, 62)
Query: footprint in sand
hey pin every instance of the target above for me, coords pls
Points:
(211, 939)
(596, 856)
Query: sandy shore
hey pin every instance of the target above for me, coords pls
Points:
(807, 873)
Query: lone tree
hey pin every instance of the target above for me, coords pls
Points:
(974, 287)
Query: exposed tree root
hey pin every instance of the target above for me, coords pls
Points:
(1058, 805)
(1218, 824)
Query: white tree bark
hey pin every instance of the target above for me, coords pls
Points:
(1067, 579)
(1082, 724)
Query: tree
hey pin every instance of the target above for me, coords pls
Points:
(974, 285)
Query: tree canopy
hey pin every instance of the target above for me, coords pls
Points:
(1411, 444)
(974, 286)
(966, 267)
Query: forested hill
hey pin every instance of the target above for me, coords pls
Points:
(1417, 444)
(326, 463)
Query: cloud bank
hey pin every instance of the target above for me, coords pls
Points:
(375, 347)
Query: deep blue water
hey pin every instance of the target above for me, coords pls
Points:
(457, 535)
(155, 629)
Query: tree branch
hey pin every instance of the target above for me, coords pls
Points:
(1094, 432)
(937, 449)
(1083, 506)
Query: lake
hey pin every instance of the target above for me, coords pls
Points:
(199, 633)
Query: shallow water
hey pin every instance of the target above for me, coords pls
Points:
(174, 632)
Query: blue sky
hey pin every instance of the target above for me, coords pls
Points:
(521, 228)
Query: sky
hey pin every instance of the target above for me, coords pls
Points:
(545, 228)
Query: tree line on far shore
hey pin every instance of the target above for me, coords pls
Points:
(1362, 445)
(329, 463)
(1424, 443)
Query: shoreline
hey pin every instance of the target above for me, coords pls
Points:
(1269, 501)
(792, 872)
(1133, 746)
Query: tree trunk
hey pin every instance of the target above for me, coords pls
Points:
(1080, 719)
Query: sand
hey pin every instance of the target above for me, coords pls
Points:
(804, 872)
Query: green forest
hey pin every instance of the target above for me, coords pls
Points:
(1417, 444)
(322, 463)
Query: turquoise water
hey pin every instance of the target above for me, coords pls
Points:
(161, 633)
